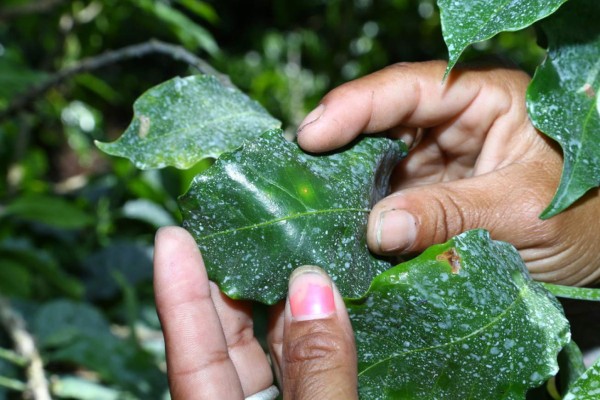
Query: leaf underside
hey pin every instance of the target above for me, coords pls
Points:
(468, 22)
(184, 120)
(562, 99)
(267, 208)
(587, 387)
(461, 321)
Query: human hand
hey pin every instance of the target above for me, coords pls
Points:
(211, 349)
(476, 162)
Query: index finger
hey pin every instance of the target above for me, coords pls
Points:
(198, 362)
(411, 95)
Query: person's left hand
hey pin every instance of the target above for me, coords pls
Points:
(210, 345)
(211, 349)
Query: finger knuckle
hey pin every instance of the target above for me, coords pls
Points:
(315, 346)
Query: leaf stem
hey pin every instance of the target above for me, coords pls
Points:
(12, 384)
(570, 292)
(12, 357)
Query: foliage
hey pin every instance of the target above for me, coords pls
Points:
(563, 98)
(586, 387)
(76, 227)
(291, 209)
(192, 119)
(465, 23)
(462, 320)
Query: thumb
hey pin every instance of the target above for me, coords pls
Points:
(319, 355)
(506, 202)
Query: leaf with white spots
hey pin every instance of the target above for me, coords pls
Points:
(461, 321)
(267, 208)
(587, 387)
(562, 99)
(184, 120)
(472, 21)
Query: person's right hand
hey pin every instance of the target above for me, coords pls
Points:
(480, 163)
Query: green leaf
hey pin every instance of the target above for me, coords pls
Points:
(468, 22)
(147, 211)
(59, 322)
(571, 292)
(587, 387)
(49, 210)
(15, 76)
(570, 362)
(268, 208)
(562, 99)
(187, 31)
(41, 265)
(15, 279)
(185, 120)
(72, 387)
(462, 320)
(133, 261)
(78, 333)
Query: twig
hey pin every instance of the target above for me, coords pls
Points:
(13, 323)
(110, 57)
(34, 6)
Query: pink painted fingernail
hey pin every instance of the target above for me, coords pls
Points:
(310, 294)
(312, 117)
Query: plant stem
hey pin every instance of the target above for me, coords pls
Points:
(12, 384)
(570, 292)
(12, 357)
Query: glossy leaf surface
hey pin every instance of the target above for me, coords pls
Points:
(184, 120)
(267, 208)
(563, 98)
(468, 22)
(587, 387)
(461, 321)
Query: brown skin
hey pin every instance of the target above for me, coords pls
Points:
(478, 164)
(211, 349)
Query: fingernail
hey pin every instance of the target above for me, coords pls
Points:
(396, 230)
(310, 294)
(312, 117)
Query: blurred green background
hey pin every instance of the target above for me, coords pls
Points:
(77, 226)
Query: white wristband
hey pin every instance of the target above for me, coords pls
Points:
(269, 393)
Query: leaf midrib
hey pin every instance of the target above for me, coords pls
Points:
(185, 130)
(493, 321)
(285, 218)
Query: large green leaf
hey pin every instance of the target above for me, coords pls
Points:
(49, 210)
(185, 120)
(468, 22)
(587, 387)
(562, 99)
(267, 208)
(461, 321)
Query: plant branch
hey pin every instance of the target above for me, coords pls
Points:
(14, 324)
(111, 57)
